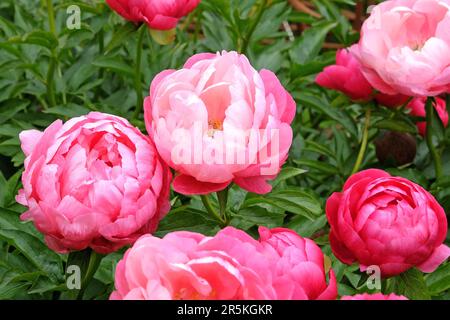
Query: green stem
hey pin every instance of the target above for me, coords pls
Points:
(51, 17)
(255, 23)
(94, 263)
(429, 137)
(50, 78)
(137, 72)
(364, 142)
(222, 196)
(208, 206)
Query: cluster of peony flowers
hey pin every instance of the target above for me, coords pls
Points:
(229, 266)
(98, 182)
(404, 52)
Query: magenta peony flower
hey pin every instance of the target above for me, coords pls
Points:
(346, 76)
(157, 14)
(94, 181)
(375, 296)
(417, 107)
(387, 221)
(405, 47)
(230, 265)
(218, 121)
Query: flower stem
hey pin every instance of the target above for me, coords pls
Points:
(253, 26)
(222, 196)
(429, 137)
(50, 81)
(208, 206)
(51, 16)
(364, 142)
(137, 72)
(94, 262)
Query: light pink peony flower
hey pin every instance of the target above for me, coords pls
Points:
(230, 265)
(157, 14)
(405, 47)
(218, 121)
(94, 181)
(386, 221)
(375, 296)
(417, 107)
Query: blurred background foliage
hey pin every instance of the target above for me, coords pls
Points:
(48, 71)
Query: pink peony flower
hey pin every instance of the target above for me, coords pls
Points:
(230, 265)
(346, 76)
(386, 221)
(94, 181)
(417, 107)
(391, 101)
(375, 296)
(157, 14)
(405, 47)
(218, 121)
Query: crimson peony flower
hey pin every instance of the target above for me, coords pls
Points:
(157, 14)
(94, 181)
(387, 221)
(417, 107)
(230, 265)
(375, 296)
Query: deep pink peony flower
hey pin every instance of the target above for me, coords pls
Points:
(405, 47)
(387, 221)
(230, 265)
(94, 181)
(417, 107)
(346, 76)
(375, 296)
(157, 14)
(218, 121)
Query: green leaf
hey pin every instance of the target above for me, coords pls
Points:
(120, 35)
(287, 173)
(36, 252)
(411, 284)
(187, 219)
(114, 63)
(306, 227)
(40, 38)
(308, 46)
(256, 216)
(318, 165)
(292, 200)
(322, 105)
(439, 280)
(396, 125)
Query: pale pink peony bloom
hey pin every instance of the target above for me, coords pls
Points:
(231, 265)
(417, 107)
(374, 296)
(405, 47)
(389, 222)
(94, 181)
(217, 121)
(157, 14)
